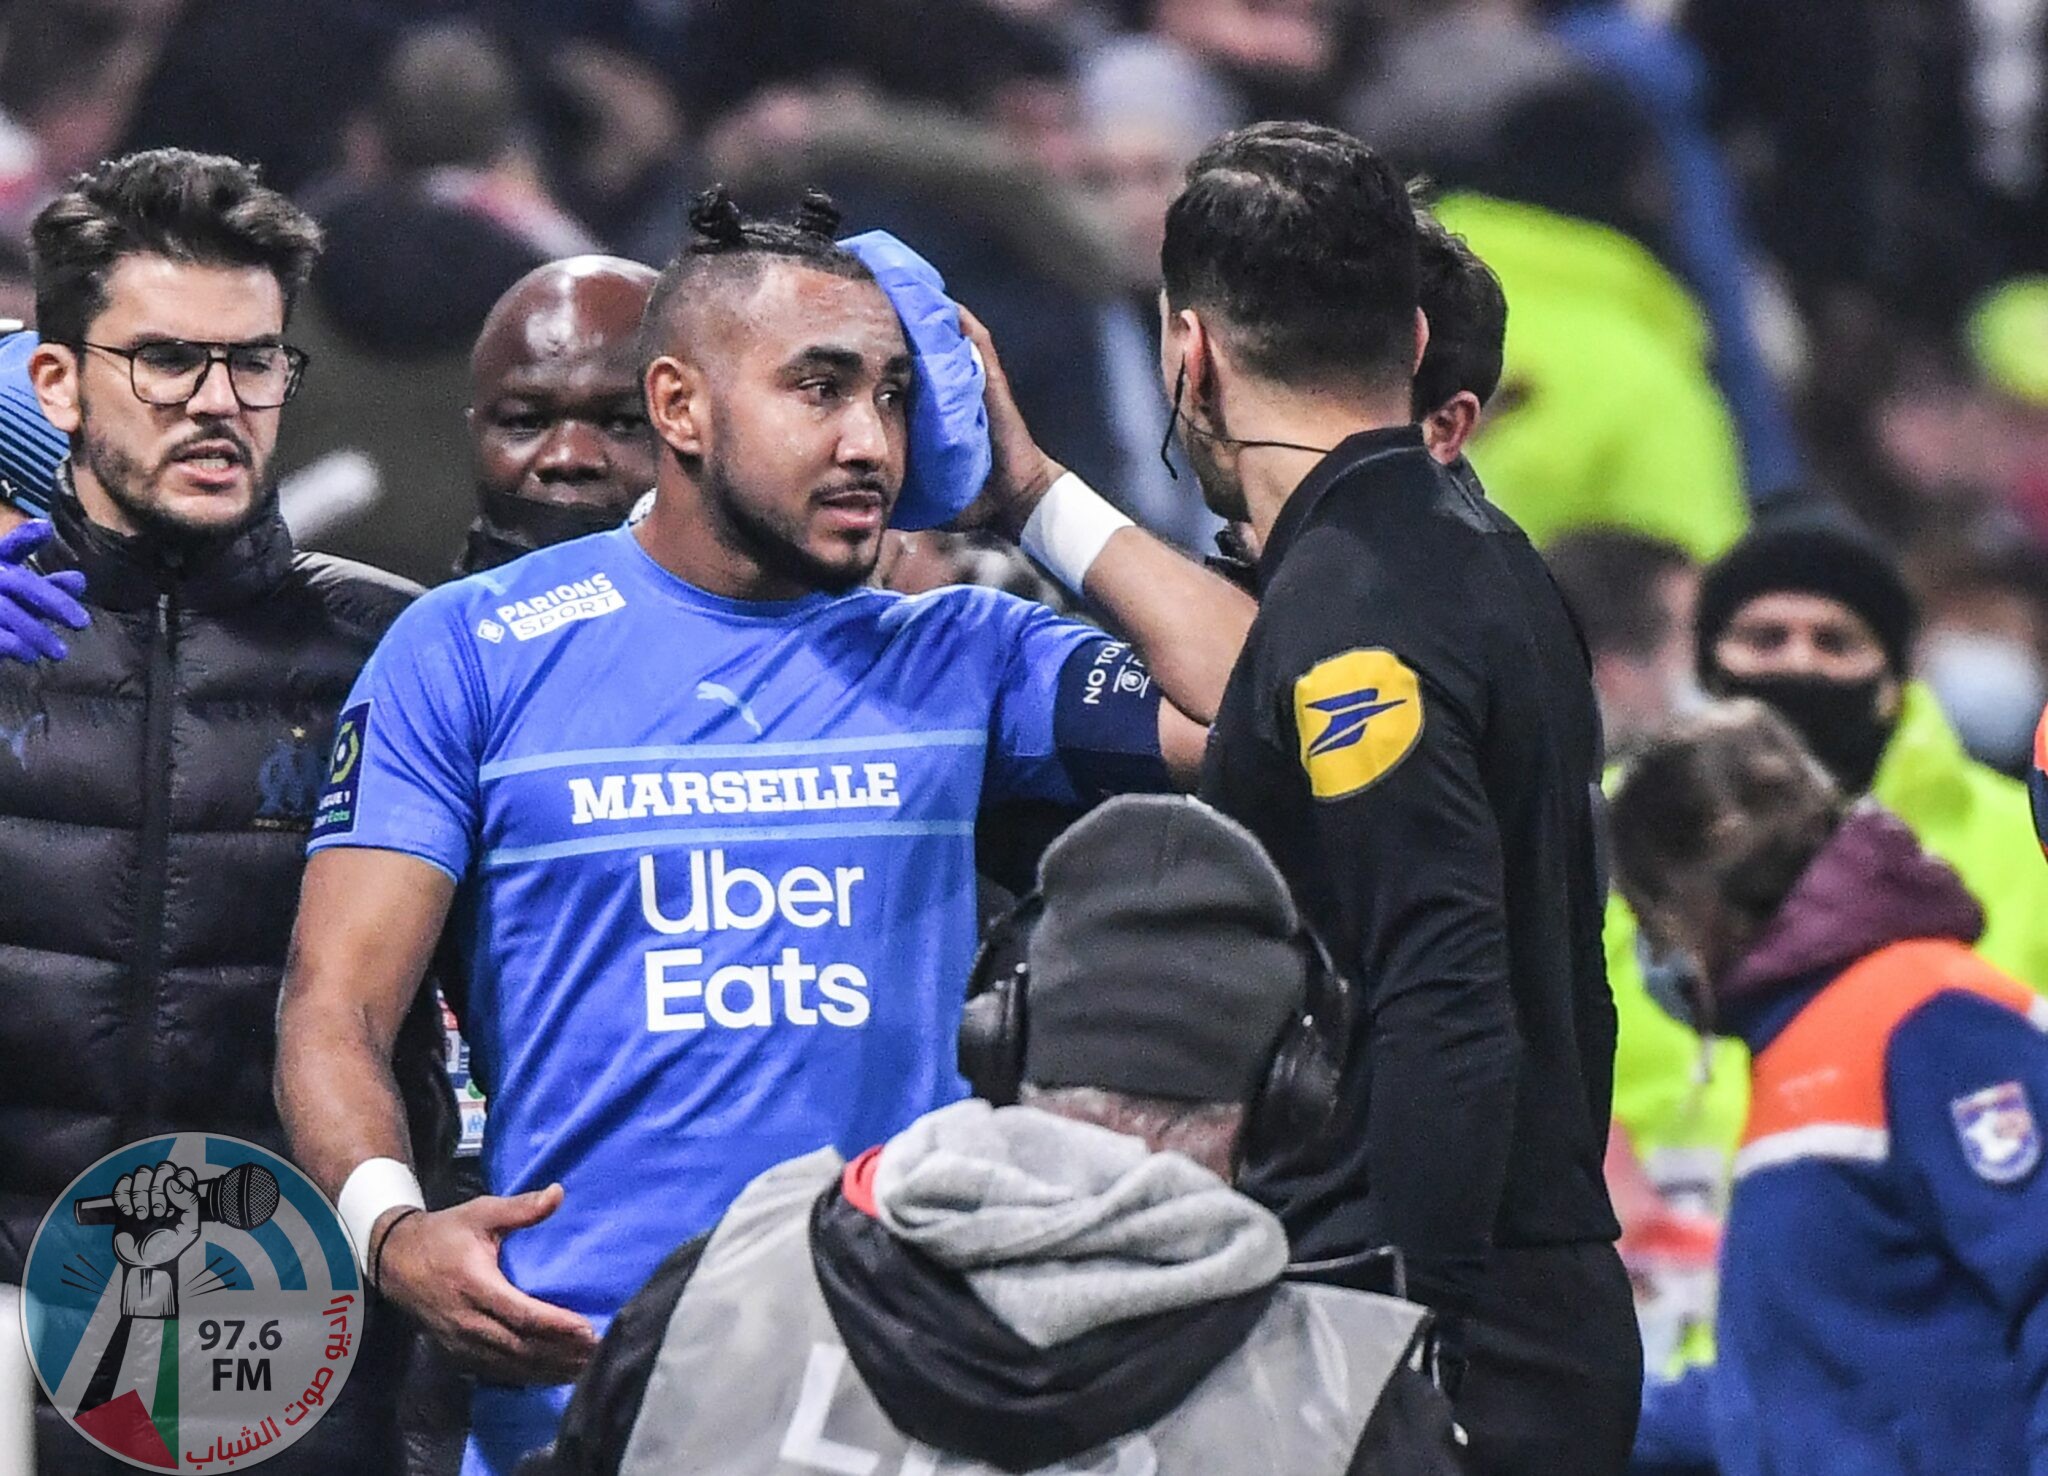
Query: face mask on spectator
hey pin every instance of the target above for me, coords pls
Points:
(1675, 981)
(1843, 723)
(547, 523)
(1992, 688)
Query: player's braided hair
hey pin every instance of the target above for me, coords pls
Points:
(720, 227)
(727, 243)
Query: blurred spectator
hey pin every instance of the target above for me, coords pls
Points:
(1607, 414)
(286, 109)
(1442, 83)
(70, 72)
(617, 143)
(961, 56)
(1665, 76)
(1853, 121)
(440, 212)
(1958, 432)
(1633, 598)
(1285, 58)
(1884, 1271)
(447, 123)
(1983, 640)
(1148, 109)
(1816, 620)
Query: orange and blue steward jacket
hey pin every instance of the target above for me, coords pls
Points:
(1884, 1270)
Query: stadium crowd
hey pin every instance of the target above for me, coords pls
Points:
(1738, 310)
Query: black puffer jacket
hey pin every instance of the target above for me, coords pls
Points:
(155, 792)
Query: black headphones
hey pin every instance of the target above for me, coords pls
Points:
(1296, 1098)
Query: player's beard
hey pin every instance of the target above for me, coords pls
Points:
(774, 539)
(125, 483)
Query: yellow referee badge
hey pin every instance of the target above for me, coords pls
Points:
(1358, 715)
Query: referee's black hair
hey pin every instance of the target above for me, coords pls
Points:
(732, 248)
(1302, 242)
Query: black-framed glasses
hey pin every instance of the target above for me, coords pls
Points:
(169, 371)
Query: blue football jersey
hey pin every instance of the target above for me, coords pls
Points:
(717, 867)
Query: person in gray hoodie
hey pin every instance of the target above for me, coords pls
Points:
(1068, 1283)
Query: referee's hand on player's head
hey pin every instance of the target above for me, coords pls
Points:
(1022, 471)
(443, 1268)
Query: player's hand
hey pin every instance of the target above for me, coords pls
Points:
(1022, 470)
(443, 1268)
(30, 603)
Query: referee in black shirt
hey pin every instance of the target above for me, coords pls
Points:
(1411, 731)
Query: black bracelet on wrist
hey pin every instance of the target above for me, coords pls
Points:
(377, 1251)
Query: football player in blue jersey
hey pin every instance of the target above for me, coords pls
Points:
(709, 799)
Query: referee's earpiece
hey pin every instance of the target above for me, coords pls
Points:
(992, 1022)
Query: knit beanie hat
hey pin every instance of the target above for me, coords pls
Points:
(1165, 962)
(1809, 555)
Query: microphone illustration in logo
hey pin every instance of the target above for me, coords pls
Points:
(242, 1198)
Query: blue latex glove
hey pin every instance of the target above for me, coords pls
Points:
(31, 602)
(949, 455)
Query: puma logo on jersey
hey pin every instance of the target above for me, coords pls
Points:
(713, 692)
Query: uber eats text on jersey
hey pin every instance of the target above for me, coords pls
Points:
(723, 897)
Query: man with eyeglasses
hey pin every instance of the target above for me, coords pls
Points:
(158, 781)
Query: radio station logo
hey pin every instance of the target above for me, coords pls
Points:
(191, 1303)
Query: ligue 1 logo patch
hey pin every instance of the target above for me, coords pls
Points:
(335, 813)
(192, 1303)
(1999, 1135)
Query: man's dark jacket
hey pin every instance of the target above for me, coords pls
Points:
(155, 791)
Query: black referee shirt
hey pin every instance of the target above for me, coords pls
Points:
(1411, 730)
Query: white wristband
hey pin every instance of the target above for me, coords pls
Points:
(1068, 529)
(374, 1186)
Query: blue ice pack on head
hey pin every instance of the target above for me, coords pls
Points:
(949, 456)
(30, 447)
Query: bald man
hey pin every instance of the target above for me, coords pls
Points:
(558, 428)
